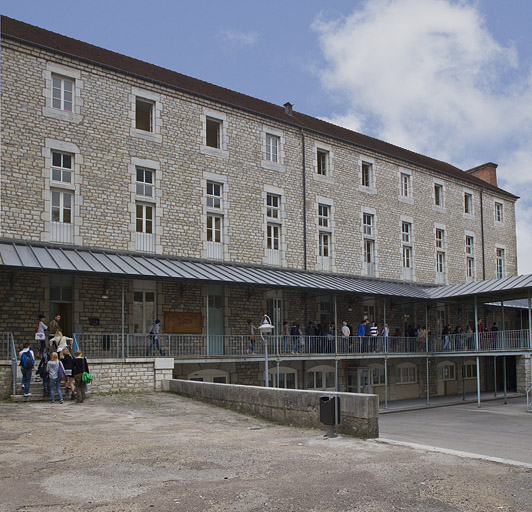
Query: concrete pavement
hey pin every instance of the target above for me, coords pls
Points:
(495, 429)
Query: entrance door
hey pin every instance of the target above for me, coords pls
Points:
(275, 313)
(359, 380)
(61, 293)
(215, 320)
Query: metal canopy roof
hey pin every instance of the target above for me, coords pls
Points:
(78, 260)
(54, 258)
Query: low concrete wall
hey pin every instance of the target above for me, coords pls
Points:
(110, 375)
(359, 414)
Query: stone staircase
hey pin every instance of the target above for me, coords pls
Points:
(36, 389)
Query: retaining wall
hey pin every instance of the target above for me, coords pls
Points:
(111, 375)
(359, 413)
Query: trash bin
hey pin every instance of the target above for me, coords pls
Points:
(329, 405)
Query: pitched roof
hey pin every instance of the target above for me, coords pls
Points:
(35, 36)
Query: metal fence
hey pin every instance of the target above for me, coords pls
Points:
(114, 345)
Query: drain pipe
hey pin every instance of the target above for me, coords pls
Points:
(482, 234)
(304, 170)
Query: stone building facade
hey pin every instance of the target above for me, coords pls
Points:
(106, 153)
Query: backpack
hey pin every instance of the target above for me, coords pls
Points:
(26, 361)
(41, 370)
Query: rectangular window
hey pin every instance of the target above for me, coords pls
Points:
(324, 244)
(323, 215)
(367, 174)
(273, 206)
(62, 93)
(469, 371)
(468, 203)
(369, 251)
(368, 224)
(406, 232)
(323, 162)
(405, 185)
(144, 185)
(469, 245)
(214, 228)
(407, 257)
(470, 270)
(214, 195)
(440, 238)
(440, 262)
(144, 218)
(61, 207)
(144, 114)
(273, 235)
(499, 212)
(272, 148)
(62, 165)
(438, 194)
(214, 128)
(406, 375)
(500, 263)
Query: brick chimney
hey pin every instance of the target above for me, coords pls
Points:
(486, 172)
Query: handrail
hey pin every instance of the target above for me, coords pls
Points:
(75, 345)
(14, 362)
(109, 345)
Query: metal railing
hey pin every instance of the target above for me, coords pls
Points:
(111, 345)
(14, 362)
(5, 345)
(529, 399)
(487, 341)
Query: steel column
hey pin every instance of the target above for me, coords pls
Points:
(427, 374)
(123, 318)
(476, 348)
(335, 346)
(385, 382)
(504, 377)
(495, 375)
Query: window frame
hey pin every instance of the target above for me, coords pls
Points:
(63, 80)
(218, 123)
(403, 374)
(366, 174)
(271, 155)
(499, 212)
(444, 371)
(143, 183)
(324, 215)
(500, 257)
(322, 162)
(214, 197)
(61, 208)
(145, 222)
(438, 195)
(61, 168)
(468, 203)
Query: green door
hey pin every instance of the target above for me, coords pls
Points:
(215, 320)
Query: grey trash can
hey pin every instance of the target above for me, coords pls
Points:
(328, 406)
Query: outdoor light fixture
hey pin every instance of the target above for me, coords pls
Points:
(265, 328)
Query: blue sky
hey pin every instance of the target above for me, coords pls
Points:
(449, 79)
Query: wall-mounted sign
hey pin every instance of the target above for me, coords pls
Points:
(182, 323)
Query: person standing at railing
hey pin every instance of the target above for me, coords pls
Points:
(360, 333)
(346, 335)
(311, 333)
(252, 337)
(286, 336)
(384, 341)
(494, 335)
(374, 332)
(154, 336)
(446, 333)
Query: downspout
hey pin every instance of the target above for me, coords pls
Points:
(304, 170)
(482, 234)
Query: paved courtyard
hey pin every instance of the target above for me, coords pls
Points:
(498, 430)
(164, 452)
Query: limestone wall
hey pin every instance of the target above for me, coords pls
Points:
(359, 414)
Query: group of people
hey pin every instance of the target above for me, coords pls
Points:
(56, 363)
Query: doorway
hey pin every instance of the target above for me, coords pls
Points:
(359, 380)
(215, 320)
(61, 294)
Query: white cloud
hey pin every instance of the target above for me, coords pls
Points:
(239, 38)
(428, 75)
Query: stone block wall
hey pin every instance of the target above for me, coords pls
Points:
(102, 125)
(113, 375)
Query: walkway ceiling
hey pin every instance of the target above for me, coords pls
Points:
(33, 256)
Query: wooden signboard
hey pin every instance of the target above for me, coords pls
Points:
(182, 323)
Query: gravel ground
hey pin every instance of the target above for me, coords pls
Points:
(139, 452)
